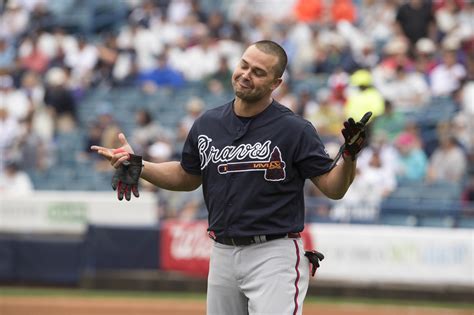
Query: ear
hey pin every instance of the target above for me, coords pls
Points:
(276, 83)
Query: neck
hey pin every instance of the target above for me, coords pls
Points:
(248, 109)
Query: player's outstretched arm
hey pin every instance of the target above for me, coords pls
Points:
(336, 182)
(167, 175)
(170, 176)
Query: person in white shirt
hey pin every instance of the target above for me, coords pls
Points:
(408, 91)
(14, 182)
(15, 100)
(447, 76)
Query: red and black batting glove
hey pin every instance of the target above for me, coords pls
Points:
(314, 258)
(354, 136)
(125, 179)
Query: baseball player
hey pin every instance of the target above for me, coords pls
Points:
(252, 157)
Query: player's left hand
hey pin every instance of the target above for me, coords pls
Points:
(354, 136)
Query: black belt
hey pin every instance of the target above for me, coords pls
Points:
(249, 240)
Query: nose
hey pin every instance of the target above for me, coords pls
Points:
(246, 74)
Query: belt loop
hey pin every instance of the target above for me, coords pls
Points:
(260, 239)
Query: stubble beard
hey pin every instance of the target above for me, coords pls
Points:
(248, 96)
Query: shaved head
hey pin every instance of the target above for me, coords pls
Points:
(272, 48)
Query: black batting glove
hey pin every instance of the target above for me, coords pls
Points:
(354, 135)
(314, 258)
(125, 179)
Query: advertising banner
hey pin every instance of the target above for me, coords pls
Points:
(186, 247)
(71, 212)
(388, 254)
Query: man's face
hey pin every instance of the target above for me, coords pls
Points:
(254, 77)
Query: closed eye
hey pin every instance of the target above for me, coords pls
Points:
(259, 72)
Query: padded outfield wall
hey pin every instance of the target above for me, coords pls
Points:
(60, 238)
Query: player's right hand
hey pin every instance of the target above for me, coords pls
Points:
(115, 156)
(128, 167)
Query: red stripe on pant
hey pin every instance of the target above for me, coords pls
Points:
(297, 276)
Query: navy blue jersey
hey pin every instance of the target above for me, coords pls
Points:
(253, 172)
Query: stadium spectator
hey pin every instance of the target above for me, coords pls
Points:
(394, 54)
(58, 97)
(413, 162)
(194, 108)
(285, 95)
(463, 131)
(82, 62)
(365, 97)
(198, 11)
(407, 91)
(33, 151)
(415, 20)
(327, 116)
(135, 37)
(305, 103)
(309, 10)
(425, 57)
(7, 55)
(201, 59)
(147, 130)
(391, 122)
(447, 76)
(338, 81)
(373, 182)
(108, 54)
(467, 196)
(447, 16)
(379, 145)
(62, 45)
(16, 100)
(377, 18)
(14, 181)
(13, 21)
(179, 10)
(146, 14)
(186, 206)
(343, 10)
(160, 150)
(333, 53)
(166, 31)
(216, 24)
(163, 76)
(448, 162)
(40, 15)
(10, 132)
(32, 58)
(42, 119)
(218, 82)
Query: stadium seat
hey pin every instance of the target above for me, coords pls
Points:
(465, 222)
(398, 219)
(436, 221)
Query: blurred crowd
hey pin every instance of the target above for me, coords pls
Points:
(399, 59)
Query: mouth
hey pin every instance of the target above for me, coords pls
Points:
(244, 85)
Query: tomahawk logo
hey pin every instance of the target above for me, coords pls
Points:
(270, 163)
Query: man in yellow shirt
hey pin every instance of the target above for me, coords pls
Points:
(365, 99)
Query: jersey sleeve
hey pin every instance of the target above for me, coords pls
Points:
(311, 158)
(190, 160)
